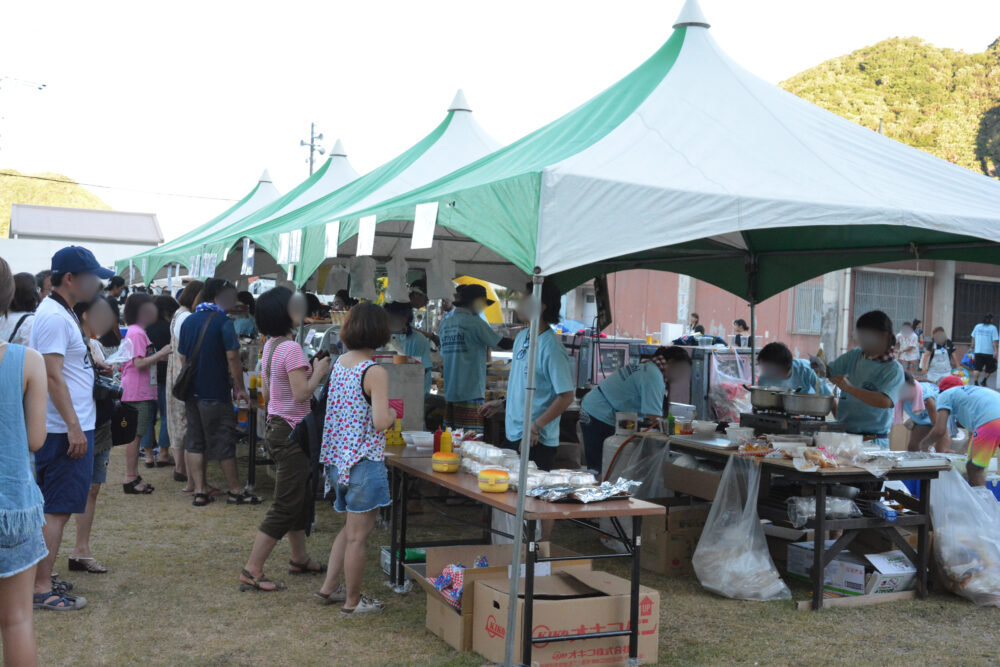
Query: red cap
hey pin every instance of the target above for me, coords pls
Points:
(949, 382)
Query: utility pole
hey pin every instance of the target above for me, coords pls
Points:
(313, 147)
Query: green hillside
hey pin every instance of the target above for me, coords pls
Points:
(942, 101)
(17, 190)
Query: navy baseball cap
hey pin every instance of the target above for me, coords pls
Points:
(77, 259)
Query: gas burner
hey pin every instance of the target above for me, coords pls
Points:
(774, 422)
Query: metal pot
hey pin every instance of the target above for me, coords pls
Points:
(764, 398)
(812, 405)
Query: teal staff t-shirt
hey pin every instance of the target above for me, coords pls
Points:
(885, 377)
(802, 376)
(464, 341)
(553, 376)
(638, 388)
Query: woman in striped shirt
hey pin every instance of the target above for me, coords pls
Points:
(288, 381)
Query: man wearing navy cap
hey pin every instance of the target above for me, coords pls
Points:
(64, 464)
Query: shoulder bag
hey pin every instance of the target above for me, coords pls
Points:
(184, 384)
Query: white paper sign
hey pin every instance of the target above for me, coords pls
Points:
(194, 267)
(291, 272)
(424, 221)
(295, 245)
(366, 236)
(332, 238)
(249, 249)
(143, 266)
(283, 240)
(208, 264)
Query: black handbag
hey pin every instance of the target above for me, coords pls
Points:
(124, 424)
(184, 384)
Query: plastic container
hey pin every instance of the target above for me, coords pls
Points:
(446, 462)
(437, 440)
(494, 480)
(702, 427)
(445, 442)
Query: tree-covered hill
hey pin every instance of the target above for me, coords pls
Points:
(45, 190)
(942, 101)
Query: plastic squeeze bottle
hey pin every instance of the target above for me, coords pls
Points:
(446, 441)
(437, 440)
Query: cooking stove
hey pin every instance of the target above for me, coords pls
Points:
(781, 423)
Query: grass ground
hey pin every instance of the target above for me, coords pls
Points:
(172, 598)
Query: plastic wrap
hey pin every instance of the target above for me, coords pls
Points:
(732, 559)
(967, 538)
(728, 392)
(122, 354)
(642, 459)
(802, 509)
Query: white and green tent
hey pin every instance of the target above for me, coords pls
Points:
(147, 265)
(457, 141)
(693, 164)
(195, 247)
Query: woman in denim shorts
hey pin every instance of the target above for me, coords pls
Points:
(357, 415)
(23, 398)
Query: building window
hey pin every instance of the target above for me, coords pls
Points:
(899, 296)
(808, 309)
(973, 299)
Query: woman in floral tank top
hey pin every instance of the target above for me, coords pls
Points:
(357, 415)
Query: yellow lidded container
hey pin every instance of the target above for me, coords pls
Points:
(493, 480)
(445, 462)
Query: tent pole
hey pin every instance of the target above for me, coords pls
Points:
(753, 342)
(522, 476)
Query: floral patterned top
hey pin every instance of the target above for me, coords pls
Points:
(349, 433)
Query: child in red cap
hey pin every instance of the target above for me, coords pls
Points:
(978, 410)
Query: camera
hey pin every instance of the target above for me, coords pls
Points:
(105, 388)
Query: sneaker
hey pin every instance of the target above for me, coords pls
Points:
(366, 606)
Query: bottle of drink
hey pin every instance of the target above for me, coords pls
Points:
(671, 423)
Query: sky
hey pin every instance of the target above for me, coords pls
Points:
(198, 98)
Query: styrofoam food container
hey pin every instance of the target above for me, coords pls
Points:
(418, 438)
(739, 433)
(703, 427)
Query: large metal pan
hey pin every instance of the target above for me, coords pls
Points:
(765, 398)
(811, 405)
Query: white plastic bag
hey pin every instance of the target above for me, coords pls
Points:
(732, 559)
(122, 354)
(967, 538)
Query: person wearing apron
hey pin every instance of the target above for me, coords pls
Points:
(870, 380)
(939, 356)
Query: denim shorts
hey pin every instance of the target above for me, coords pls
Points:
(65, 482)
(19, 552)
(368, 488)
(100, 475)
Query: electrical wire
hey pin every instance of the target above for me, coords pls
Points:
(112, 187)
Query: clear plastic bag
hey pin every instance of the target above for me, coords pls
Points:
(122, 354)
(732, 559)
(803, 508)
(730, 374)
(967, 538)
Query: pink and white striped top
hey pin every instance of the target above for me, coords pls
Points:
(281, 401)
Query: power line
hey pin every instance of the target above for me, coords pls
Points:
(113, 187)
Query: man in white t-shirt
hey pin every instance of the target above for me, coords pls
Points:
(64, 464)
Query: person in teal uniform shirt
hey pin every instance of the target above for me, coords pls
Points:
(641, 388)
(779, 368)
(409, 341)
(870, 380)
(465, 340)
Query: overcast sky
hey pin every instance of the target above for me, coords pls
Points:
(197, 98)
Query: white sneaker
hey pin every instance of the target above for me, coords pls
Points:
(366, 606)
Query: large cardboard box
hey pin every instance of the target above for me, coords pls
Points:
(571, 601)
(697, 483)
(668, 542)
(849, 574)
(453, 625)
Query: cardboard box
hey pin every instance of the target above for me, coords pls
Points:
(849, 574)
(453, 625)
(571, 601)
(697, 483)
(668, 542)
(899, 438)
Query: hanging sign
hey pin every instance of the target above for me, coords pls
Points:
(248, 256)
(208, 264)
(332, 238)
(295, 245)
(366, 236)
(283, 241)
(424, 221)
(194, 266)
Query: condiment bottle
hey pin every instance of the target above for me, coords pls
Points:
(670, 423)
(446, 441)
(437, 440)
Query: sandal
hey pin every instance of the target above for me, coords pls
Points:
(180, 477)
(245, 498)
(130, 487)
(57, 601)
(202, 499)
(339, 595)
(367, 605)
(89, 565)
(149, 464)
(254, 583)
(304, 568)
(163, 464)
(62, 586)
